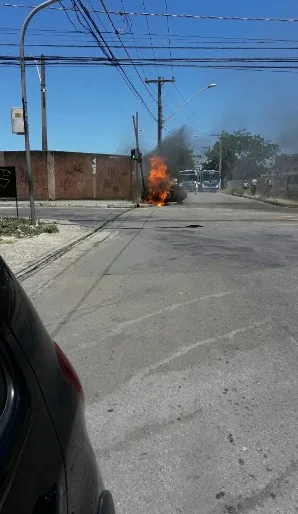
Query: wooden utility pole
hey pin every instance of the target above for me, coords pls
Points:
(159, 81)
(44, 128)
(220, 159)
(135, 120)
(139, 160)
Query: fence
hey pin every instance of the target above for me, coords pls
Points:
(283, 186)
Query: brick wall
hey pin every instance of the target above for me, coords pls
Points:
(39, 172)
(72, 175)
(113, 177)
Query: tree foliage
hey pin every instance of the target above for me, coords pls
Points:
(176, 151)
(244, 155)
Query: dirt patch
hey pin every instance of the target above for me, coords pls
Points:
(20, 252)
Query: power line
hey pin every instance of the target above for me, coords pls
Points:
(140, 36)
(148, 28)
(110, 56)
(169, 15)
(182, 62)
(168, 29)
(146, 47)
(124, 48)
(133, 39)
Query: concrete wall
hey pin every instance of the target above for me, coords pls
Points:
(287, 163)
(39, 171)
(72, 175)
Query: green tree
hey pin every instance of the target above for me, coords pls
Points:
(244, 155)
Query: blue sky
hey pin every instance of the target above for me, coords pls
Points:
(90, 109)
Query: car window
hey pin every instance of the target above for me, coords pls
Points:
(3, 390)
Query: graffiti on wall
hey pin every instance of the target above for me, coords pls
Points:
(76, 168)
(113, 179)
(23, 175)
(66, 183)
(70, 178)
(81, 186)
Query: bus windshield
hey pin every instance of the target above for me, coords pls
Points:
(210, 176)
(187, 177)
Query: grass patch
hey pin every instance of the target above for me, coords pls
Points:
(21, 227)
(238, 192)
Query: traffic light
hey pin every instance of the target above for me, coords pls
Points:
(133, 154)
(136, 155)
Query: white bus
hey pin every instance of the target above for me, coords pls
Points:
(188, 180)
(209, 180)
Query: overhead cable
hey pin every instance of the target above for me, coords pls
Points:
(169, 15)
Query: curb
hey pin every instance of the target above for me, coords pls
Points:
(4, 205)
(270, 201)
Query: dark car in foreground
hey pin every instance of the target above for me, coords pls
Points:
(47, 465)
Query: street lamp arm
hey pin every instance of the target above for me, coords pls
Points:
(24, 102)
(28, 19)
(186, 101)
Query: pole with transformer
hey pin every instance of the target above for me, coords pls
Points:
(25, 105)
(159, 81)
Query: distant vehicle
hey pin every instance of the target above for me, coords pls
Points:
(47, 465)
(188, 180)
(209, 180)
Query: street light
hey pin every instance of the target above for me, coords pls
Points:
(24, 101)
(186, 102)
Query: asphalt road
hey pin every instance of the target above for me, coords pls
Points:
(84, 216)
(183, 325)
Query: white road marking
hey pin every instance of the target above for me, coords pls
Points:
(186, 349)
(170, 308)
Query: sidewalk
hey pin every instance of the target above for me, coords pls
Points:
(281, 202)
(102, 204)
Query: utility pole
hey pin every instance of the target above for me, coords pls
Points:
(139, 159)
(42, 80)
(220, 164)
(159, 81)
(220, 158)
(135, 120)
(44, 129)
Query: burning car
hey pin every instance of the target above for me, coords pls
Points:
(161, 189)
(177, 193)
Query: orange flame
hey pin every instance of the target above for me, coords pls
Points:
(159, 182)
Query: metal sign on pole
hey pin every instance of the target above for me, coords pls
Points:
(17, 120)
(8, 184)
